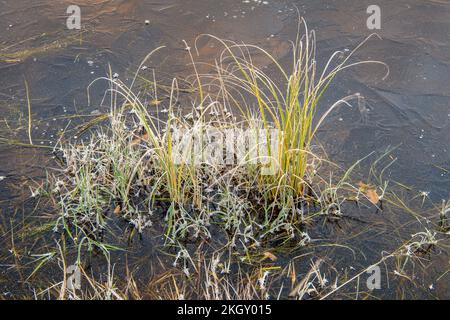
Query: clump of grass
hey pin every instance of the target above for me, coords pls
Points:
(290, 106)
(129, 168)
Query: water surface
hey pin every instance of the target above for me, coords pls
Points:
(409, 110)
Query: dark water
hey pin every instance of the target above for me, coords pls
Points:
(410, 109)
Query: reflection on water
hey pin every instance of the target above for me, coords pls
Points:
(409, 110)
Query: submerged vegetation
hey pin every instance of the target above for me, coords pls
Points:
(224, 222)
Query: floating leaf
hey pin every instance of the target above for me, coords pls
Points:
(137, 140)
(372, 196)
(118, 210)
(269, 255)
(369, 191)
